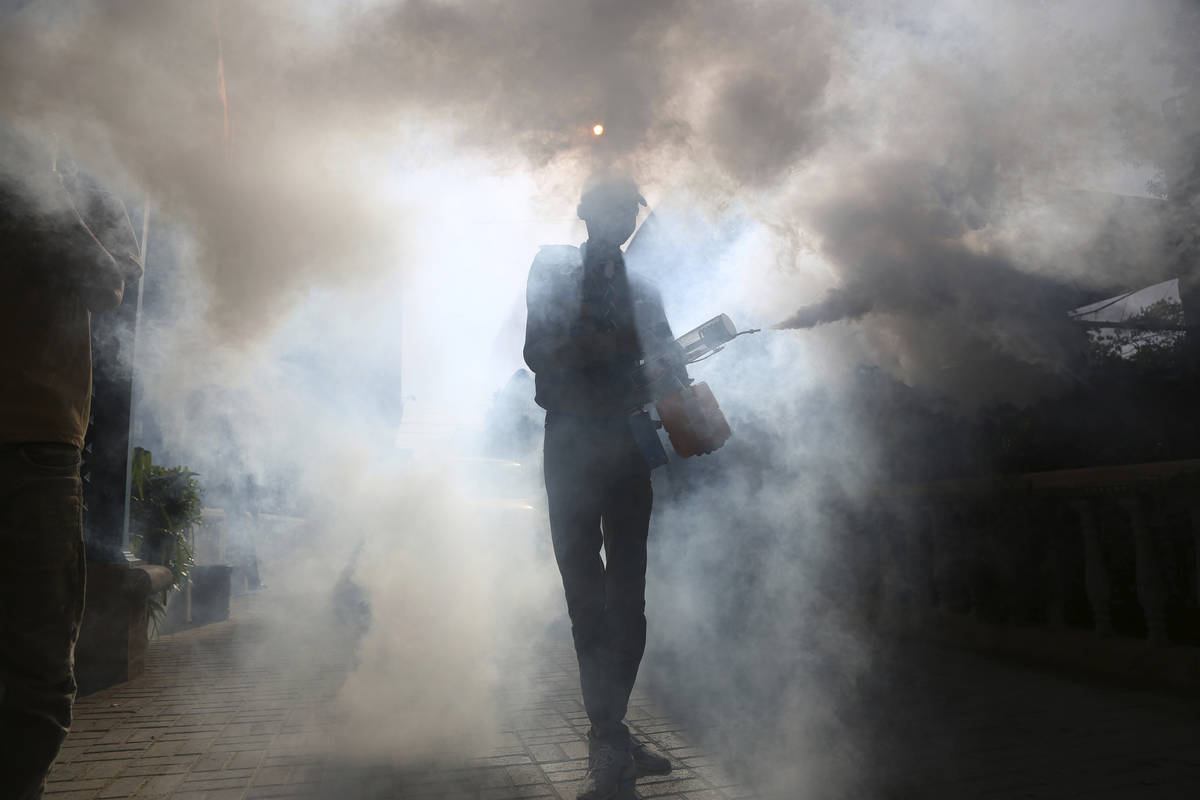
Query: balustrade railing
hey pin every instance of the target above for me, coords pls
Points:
(1111, 549)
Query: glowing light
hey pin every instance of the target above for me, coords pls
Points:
(597, 129)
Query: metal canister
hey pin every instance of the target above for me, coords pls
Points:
(694, 421)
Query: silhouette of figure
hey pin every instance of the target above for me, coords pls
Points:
(589, 324)
(66, 252)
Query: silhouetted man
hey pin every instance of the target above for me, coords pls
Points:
(54, 273)
(589, 325)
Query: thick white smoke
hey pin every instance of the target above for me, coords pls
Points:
(354, 192)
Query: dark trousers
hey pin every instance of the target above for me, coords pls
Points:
(598, 486)
(41, 606)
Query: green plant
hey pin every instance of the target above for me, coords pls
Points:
(164, 505)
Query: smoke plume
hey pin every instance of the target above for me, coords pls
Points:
(347, 196)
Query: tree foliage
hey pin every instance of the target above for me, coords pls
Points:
(1143, 344)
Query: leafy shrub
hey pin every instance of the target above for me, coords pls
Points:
(164, 505)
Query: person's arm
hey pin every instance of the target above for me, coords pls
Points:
(107, 256)
(80, 262)
(61, 250)
(655, 330)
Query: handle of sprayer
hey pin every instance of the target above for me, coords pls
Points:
(720, 347)
(664, 374)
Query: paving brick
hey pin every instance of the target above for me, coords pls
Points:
(502, 761)
(559, 736)
(68, 772)
(108, 769)
(122, 787)
(546, 752)
(159, 785)
(567, 776)
(225, 794)
(211, 762)
(268, 776)
(525, 774)
(163, 748)
(563, 766)
(246, 759)
(194, 745)
(163, 765)
(575, 749)
(93, 784)
(214, 780)
(102, 755)
(116, 736)
(671, 787)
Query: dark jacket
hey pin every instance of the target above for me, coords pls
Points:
(560, 310)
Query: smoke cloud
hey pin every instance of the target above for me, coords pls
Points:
(286, 158)
(347, 197)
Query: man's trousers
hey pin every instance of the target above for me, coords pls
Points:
(41, 606)
(598, 487)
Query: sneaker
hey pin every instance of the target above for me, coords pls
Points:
(608, 768)
(647, 760)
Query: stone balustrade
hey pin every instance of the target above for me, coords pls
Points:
(1114, 550)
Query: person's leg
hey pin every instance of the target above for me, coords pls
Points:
(41, 606)
(626, 530)
(627, 503)
(574, 500)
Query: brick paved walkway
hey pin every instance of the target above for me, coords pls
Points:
(224, 712)
(220, 713)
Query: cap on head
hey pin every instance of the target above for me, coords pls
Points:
(604, 190)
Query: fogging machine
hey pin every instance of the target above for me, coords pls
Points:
(688, 411)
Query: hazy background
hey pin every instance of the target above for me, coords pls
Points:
(349, 196)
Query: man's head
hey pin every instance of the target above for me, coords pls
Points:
(609, 205)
